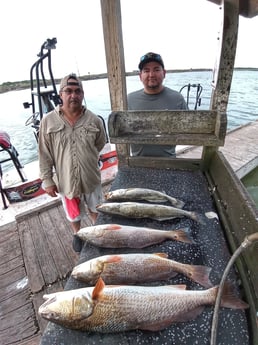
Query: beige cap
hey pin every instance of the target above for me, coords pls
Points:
(70, 80)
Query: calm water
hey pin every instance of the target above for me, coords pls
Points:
(242, 108)
(251, 183)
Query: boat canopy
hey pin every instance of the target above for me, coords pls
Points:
(247, 8)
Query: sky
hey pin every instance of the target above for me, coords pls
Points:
(184, 32)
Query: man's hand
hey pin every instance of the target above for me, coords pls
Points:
(52, 191)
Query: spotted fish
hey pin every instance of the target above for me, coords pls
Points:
(125, 236)
(138, 268)
(118, 308)
(137, 194)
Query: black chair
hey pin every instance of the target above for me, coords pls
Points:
(6, 146)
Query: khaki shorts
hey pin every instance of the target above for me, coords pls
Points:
(75, 208)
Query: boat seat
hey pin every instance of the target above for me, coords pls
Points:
(205, 128)
(6, 146)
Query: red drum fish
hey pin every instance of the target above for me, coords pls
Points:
(134, 194)
(143, 210)
(138, 268)
(125, 236)
(118, 308)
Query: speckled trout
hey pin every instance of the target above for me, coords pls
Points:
(125, 236)
(138, 268)
(118, 308)
(137, 194)
(144, 210)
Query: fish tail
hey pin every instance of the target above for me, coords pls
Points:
(230, 300)
(176, 202)
(179, 203)
(181, 235)
(199, 218)
(200, 274)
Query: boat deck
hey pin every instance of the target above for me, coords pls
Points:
(36, 256)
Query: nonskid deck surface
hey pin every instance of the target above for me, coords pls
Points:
(210, 249)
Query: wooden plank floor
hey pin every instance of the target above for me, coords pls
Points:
(36, 257)
(16, 306)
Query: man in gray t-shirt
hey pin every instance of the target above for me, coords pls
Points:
(154, 96)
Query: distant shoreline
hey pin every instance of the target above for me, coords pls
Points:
(25, 84)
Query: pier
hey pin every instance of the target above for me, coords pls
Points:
(241, 146)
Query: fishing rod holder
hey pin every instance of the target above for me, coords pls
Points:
(198, 93)
(44, 95)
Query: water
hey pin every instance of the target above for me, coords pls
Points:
(242, 108)
(251, 183)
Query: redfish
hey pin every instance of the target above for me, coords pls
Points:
(118, 308)
(138, 268)
(144, 210)
(125, 236)
(137, 194)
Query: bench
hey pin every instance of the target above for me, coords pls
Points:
(178, 127)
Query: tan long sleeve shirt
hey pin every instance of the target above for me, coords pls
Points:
(71, 152)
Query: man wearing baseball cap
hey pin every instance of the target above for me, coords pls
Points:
(154, 96)
(70, 139)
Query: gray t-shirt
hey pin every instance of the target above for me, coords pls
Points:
(167, 99)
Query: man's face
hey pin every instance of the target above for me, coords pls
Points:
(72, 96)
(152, 76)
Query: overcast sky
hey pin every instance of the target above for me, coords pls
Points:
(184, 32)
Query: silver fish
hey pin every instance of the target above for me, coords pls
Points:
(125, 236)
(138, 268)
(137, 194)
(144, 210)
(118, 308)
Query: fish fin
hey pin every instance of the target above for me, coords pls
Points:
(229, 300)
(100, 285)
(181, 235)
(179, 204)
(161, 219)
(161, 255)
(173, 201)
(113, 258)
(200, 274)
(113, 227)
(178, 286)
(157, 326)
(190, 315)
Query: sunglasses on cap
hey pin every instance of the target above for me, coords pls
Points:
(151, 56)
